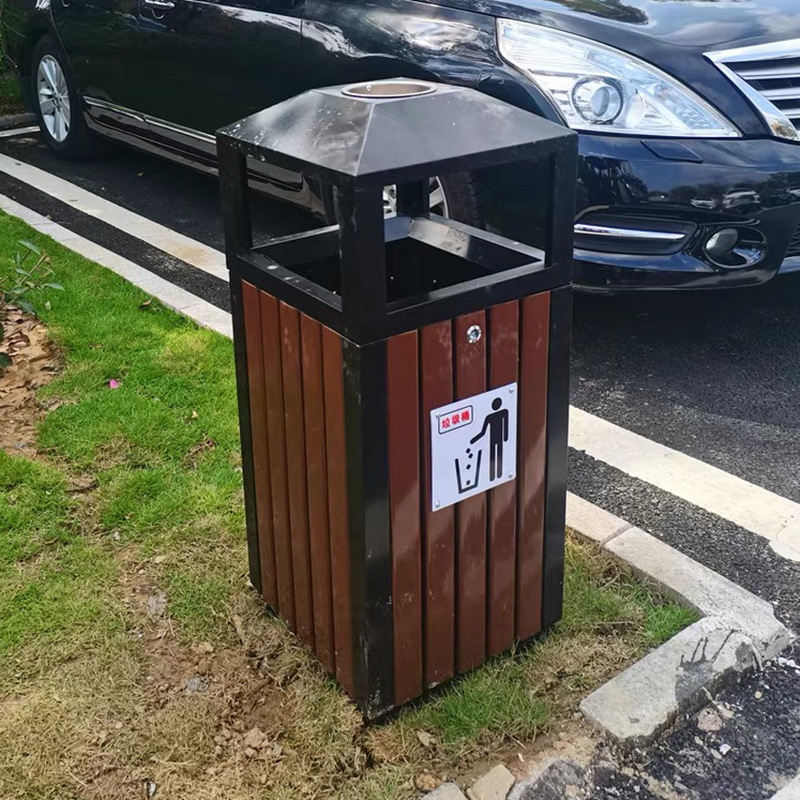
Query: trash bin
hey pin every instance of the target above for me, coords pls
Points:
(403, 386)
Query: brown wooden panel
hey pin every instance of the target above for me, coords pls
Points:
(532, 420)
(470, 379)
(296, 471)
(273, 382)
(337, 507)
(436, 375)
(503, 363)
(259, 441)
(404, 498)
(317, 476)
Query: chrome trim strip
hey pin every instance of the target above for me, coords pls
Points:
(776, 120)
(632, 234)
(199, 135)
(159, 123)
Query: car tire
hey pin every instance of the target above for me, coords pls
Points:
(462, 198)
(56, 102)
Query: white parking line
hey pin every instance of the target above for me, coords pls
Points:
(176, 244)
(18, 131)
(751, 507)
(201, 311)
(789, 792)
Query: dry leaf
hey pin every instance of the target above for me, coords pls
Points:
(425, 739)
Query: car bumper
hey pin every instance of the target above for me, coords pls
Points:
(698, 186)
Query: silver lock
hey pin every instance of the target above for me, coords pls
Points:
(474, 334)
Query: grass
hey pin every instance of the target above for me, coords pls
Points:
(135, 496)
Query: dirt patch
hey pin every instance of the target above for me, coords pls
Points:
(34, 362)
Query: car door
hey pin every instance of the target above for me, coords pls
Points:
(99, 38)
(204, 64)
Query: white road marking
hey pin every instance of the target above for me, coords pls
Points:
(18, 131)
(751, 507)
(201, 311)
(789, 792)
(176, 244)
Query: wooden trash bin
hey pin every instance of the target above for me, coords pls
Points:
(403, 387)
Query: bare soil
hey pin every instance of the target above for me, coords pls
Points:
(34, 362)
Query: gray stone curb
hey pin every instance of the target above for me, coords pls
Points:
(737, 634)
(16, 121)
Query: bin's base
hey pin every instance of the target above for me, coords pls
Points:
(395, 598)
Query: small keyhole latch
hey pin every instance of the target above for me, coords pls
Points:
(474, 334)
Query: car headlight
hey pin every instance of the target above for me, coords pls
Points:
(603, 90)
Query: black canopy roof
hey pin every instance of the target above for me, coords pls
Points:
(376, 139)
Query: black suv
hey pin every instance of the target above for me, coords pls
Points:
(688, 111)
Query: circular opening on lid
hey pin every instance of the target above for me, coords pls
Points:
(387, 89)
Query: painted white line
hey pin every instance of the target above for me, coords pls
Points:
(18, 131)
(176, 244)
(789, 792)
(749, 506)
(200, 311)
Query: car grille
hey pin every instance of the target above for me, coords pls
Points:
(794, 247)
(769, 76)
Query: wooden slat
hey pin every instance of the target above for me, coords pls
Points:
(503, 363)
(296, 471)
(534, 330)
(436, 375)
(404, 497)
(337, 507)
(259, 441)
(470, 379)
(273, 381)
(317, 476)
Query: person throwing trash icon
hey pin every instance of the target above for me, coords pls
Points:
(496, 424)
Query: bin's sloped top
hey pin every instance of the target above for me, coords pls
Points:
(346, 137)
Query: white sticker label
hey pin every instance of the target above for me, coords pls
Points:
(473, 445)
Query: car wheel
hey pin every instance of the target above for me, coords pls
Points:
(455, 196)
(56, 102)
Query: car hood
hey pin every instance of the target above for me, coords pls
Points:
(694, 24)
(685, 23)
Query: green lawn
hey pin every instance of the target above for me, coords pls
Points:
(136, 495)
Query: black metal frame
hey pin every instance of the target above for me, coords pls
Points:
(369, 522)
(361, 312)
(556, 450)
(245, 432)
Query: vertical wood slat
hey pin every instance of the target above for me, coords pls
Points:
(404, 497)
(296, 470)
(436, 375)
(317, 476)
(337, 507)
(470, 379)
(259, 441)
(534, 335)
(276, 427)
(503, 363)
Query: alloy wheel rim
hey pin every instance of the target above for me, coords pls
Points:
(437, 201)
(53, 96)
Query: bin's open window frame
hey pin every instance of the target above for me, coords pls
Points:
(362, 312)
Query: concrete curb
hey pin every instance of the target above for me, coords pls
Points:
(737, 634)
(16, 120)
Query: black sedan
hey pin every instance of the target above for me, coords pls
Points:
(689, 111)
